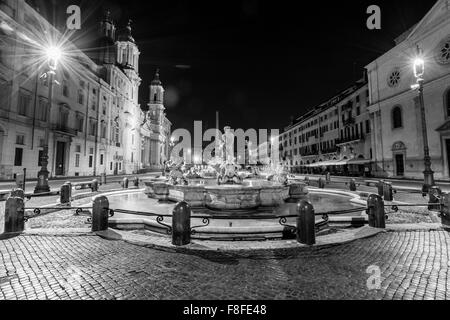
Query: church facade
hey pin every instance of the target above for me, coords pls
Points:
(397, 142)
(95, 122)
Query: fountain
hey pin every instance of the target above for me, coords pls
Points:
(222, 186)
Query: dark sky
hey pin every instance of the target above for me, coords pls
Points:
(257, 62)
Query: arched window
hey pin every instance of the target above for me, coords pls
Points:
(447, 102)
(397, 121)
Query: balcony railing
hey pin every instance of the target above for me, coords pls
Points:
(349, 121)
(352, 138)
(65, 129)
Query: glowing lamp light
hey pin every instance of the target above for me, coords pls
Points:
(419, 67)
(53, 54)
(419, 64)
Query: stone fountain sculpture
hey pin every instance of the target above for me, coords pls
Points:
(228, 171)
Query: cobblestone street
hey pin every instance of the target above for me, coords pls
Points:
(414, 265)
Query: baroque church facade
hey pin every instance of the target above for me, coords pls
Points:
(397, 143)
(95, 122)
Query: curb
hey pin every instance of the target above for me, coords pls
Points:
(253, 249)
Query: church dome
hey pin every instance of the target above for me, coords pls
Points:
(125, 34)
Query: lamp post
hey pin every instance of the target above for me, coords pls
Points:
(53, 55)
(419, 70)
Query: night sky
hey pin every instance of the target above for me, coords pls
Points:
(257, 62)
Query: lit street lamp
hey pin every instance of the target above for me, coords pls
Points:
(53, 55)
(419, 70)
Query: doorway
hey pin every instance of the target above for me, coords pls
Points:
(60, 158)
(399, 165)
(447, 145)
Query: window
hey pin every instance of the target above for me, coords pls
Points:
(447, 102)
(24, 104)
(80, 96)
(444, 51)
(42, 110)
(397, 117)
(110, 166)
(78, 148)
(18, 157)
(40, 155)
(394, 78)
(77, 160)
(20, 139)
(92, 127)
(103, 133)
(79, 123)
(132, 157)
(101, 159)
(64, 117)
(65, 89)
(91, 161)
(358, 111)
(367, 126)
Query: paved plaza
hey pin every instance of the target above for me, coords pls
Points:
(414, 265)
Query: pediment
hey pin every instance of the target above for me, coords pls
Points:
(438, 13)
(444, 128)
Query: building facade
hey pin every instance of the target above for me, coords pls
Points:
(95, 122)
(398, 144)
(333, 136)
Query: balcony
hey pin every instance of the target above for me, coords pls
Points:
(64, 130)
(349, 121)
(352, 139)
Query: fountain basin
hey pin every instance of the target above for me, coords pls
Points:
(250, 195)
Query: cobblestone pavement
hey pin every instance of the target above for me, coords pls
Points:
(414, 265)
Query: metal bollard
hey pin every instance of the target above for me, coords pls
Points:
(380, 187)
(321, 183)
(94, 185)
(125, 183)
(352, 185)
(136, 182)
(14, 215)
(445, 210)
(64, 195)
(306, 223)
(435, 193)
(17, 192)
(181, 224)
(100, 214)
(375, 210)
(388, 192)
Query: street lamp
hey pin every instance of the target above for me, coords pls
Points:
(419, 71)
(53, 55)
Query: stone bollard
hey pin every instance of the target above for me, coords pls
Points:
(435, 193)
(445, 210)
(136, 182)
(14, 215)
(100, 214)
(321, 183)
(64, 195)
(328, 178)
(102, 179)
(388, 192)
(17, 192)
(181, 224)
(307, 181)
(70, 189)
(125, 183)
(94, 185)
(352, 185)
(375, 210)
(380, 187)
(306, 223)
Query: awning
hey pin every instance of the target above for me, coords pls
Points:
(359, 161)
